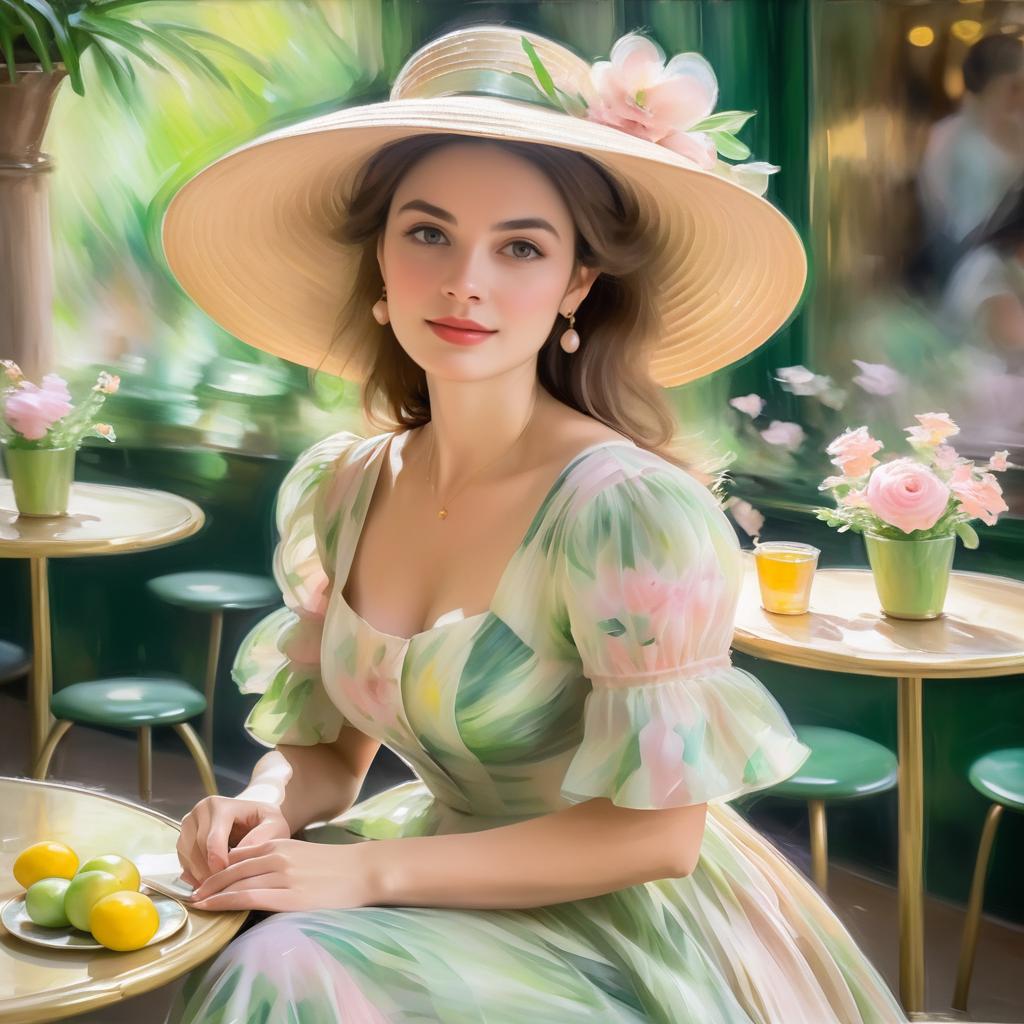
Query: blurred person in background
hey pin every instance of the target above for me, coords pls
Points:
(974, 156)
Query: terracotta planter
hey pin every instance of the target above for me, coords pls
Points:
(911, 576)
(41, 478)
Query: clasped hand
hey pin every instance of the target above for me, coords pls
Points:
(287, 874)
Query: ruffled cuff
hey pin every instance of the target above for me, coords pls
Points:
(280, 658)
(707, 731)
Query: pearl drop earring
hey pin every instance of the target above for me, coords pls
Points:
(380, 308)
(570, 340)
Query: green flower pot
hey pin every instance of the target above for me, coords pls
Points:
(41, 478)
(911, 576)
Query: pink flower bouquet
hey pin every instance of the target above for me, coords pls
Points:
(933, 493)
(42, 416)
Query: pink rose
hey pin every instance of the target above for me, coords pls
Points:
(781, 432)
(906, 494)
(640, 94)
(982, 498)
(946, 456)
(934, 429)
(856, 497)
(853, 452)
(999, 462)
(32, 410)
(749, 519)
(878, 379)
(751, 404)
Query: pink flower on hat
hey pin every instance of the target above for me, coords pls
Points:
(641, 94)
(32, 410)
(906, 494)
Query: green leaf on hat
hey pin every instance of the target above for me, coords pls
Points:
(543, 75)
(728, 145)
(724, 121)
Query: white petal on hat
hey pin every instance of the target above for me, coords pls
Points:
(693, 65)
(638, 61)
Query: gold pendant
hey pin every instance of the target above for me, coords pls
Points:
(443, 514)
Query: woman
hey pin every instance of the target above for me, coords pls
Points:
(515, 591)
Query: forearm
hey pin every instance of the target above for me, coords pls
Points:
(581, 851)
(308, 784)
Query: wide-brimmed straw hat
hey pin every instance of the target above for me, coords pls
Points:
(249, 237)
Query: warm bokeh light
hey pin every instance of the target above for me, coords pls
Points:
(920, 35)
(966, 30)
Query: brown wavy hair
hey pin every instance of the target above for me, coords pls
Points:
(618, 322)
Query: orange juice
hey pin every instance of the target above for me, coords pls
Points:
(785, 572)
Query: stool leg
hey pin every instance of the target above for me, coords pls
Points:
(146, 763)
(195, 748)
(819, 843)
(972, 922)
(57, 730)
(212, 659)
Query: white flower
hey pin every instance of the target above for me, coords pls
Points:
(787, 435)
(751, 404)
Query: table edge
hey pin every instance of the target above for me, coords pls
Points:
(39, 1006)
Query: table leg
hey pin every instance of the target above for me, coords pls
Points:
(42, 659)
(911, 842)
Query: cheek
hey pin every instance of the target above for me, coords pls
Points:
(531, 294)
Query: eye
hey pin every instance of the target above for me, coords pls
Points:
(519, 241)
(416, 231)
(529, 245)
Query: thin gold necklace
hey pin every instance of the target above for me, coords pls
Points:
(442, 512)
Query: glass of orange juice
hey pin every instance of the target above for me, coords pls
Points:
(785, 572)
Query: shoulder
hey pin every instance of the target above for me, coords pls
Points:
(626, 504)
(317, 476)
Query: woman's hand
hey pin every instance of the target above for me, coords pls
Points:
(219, 822)
(288, 874)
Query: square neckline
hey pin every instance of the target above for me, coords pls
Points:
(373, 467)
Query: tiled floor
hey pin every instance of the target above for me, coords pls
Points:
(867, 908)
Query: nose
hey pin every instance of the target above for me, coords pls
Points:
(465, 281)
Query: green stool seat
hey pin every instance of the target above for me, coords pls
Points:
(999, 776)
(207, 591)
(131, 702)
(14, 661)
(128, 702)
(842, 766)
(214, 592)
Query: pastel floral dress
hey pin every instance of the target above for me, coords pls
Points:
(601, 669)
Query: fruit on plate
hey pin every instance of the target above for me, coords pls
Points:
(124, 920)
(120, 867)
(44, 902)
(86, 889)
(44, 860)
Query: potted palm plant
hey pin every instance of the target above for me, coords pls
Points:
(42, 42)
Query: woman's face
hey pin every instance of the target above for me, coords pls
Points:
(448, 251)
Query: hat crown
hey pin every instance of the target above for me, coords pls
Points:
(488, 58)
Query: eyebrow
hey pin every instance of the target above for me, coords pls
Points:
(521, 224)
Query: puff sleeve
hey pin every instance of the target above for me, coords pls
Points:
(280, 657)
(651, 574)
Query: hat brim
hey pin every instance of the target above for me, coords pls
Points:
(248, 237)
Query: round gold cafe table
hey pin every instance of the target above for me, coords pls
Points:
(101, 520)
(39, 984)
(980, 633)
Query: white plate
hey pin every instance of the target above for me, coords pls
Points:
(16, 920)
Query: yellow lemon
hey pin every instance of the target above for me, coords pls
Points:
(44, 860)
(124, 920)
